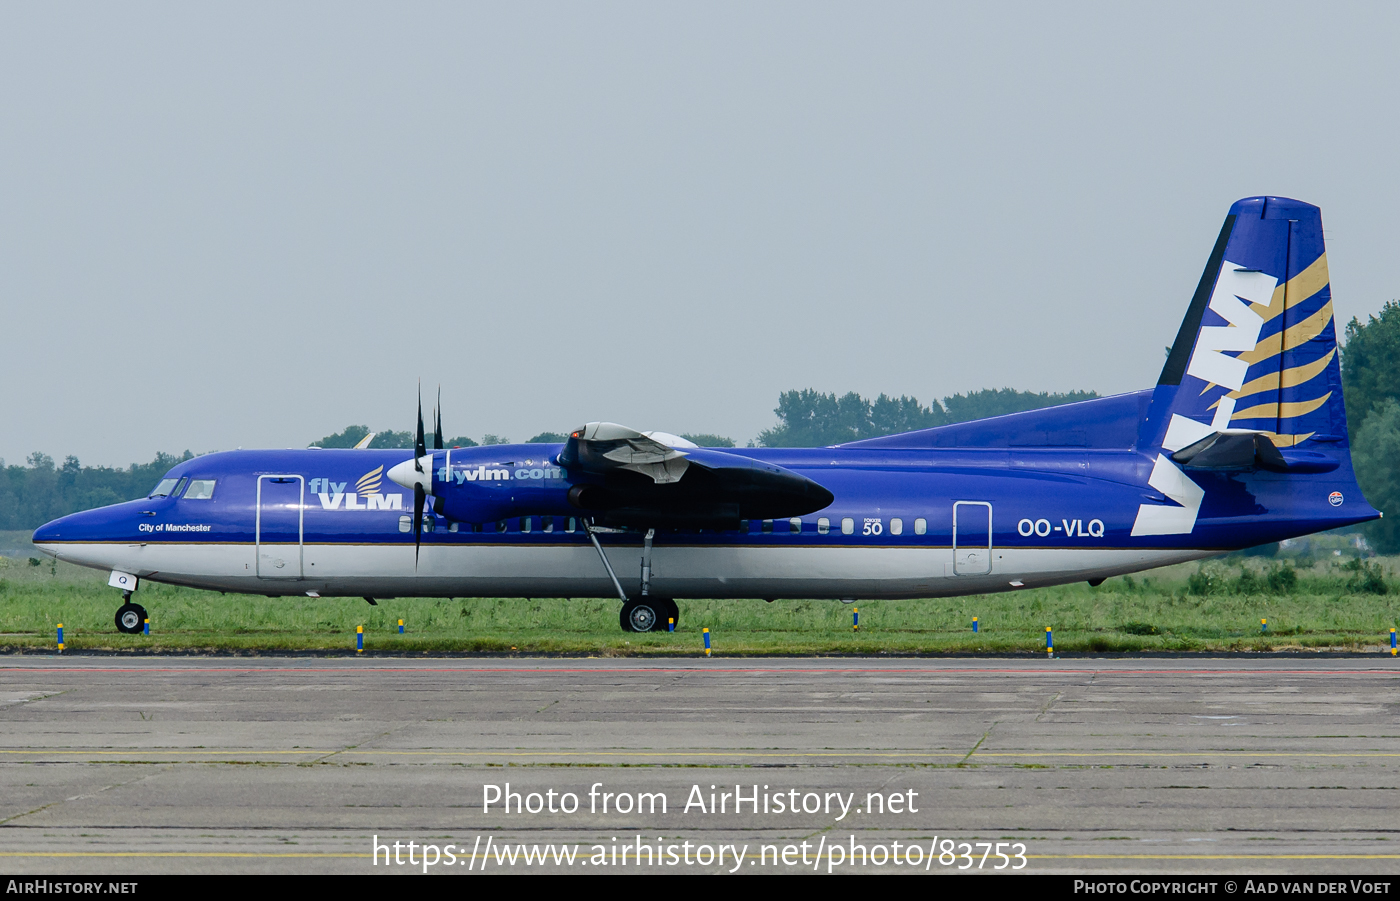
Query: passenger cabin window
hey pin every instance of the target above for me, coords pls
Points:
(200, 490)
(405, 523)
(548, 523)
(896, 526)
(848, 526)
(795, 525)
(768, 525)
(501, 526)
(527, 523)
(571, 525)
(920, 526)
(743, 525)
(823, 525)
(165, 488)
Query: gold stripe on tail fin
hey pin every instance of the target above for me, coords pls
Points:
(1293, 336)
(1281, 411)
(1287, 379)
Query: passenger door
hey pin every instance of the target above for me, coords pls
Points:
(972, 538)
(279, 527)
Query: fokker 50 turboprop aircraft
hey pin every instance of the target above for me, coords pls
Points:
(1243, 441)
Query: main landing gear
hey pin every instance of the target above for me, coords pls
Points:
(646, 613)
(131, 618)
(649, 614)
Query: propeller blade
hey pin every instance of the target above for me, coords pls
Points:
(419, 450)
(437, 421)
(419, 495)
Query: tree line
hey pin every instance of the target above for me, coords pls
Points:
(1371, 390)
(33, 494)
(809, 418)
(39, 491)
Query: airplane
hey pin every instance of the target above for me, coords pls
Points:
(1242, 442)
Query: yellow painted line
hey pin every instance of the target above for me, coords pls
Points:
(316, 854)
(1190, 754)
(326, 855)
(1213, 856)
(448, 752)
(513, 752)
(954, 754)
(154, 751)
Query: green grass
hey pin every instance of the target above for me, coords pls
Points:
(1327, 607)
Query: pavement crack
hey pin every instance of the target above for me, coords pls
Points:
(42, 696)
(10, 819)
(7, 820)
(978, 745)
(1048, 705)
(329, 754)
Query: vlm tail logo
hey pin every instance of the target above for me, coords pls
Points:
(334, 496)
(1239, 292)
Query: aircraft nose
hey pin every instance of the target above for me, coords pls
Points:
(405, 475)
(48, 532)
(50, 536)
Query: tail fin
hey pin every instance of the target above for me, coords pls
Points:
(1258, 348)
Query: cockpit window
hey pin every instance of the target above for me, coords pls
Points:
(200, 490)
(165, 488)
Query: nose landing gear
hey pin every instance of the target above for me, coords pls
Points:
(131, 618)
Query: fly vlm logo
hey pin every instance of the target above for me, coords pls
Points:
(334, 496)
(473, 474)
(498, 473)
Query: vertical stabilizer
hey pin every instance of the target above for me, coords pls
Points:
(1258, 347)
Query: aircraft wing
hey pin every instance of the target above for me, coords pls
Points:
(605, 446)
(628, 477)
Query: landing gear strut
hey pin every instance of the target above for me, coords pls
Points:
(646, 613)
(131, 618)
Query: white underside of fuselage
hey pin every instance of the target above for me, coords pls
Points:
(494, 570)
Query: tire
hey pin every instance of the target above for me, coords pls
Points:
(640, 616)
(131, 619)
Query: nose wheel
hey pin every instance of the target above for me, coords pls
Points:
(131, 618)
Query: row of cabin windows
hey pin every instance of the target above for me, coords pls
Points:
(527, 524)
(571, 524)
(848, 526)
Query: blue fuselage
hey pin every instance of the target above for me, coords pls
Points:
(903, 523)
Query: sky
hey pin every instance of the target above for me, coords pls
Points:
(253, 224)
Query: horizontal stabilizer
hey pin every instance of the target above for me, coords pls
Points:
(1236, 449)
(1240, 449)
